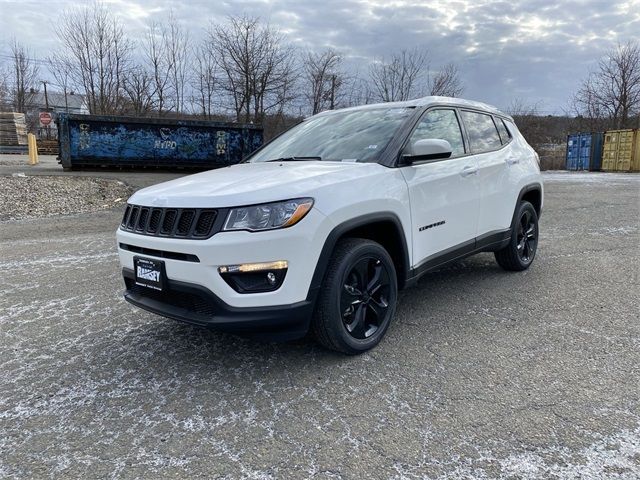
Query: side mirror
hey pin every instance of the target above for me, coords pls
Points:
(426, 150)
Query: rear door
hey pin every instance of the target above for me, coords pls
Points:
(491, 142)
(444, 194)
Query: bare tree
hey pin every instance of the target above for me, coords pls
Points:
(61, 76)
(323, 79)
(519, 108)
(530, 123)
(4, 87)
(256, 67)
(205, 79)
(96, 54)
(446, 82)
(358, 91)
(159, 64)
(612, 92)
(178, 52)
(138, 87)
(25, 77)
(401, 77)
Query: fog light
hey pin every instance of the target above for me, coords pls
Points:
(255, 277)
(254, 267)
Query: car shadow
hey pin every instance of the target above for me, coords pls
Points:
(200, 347)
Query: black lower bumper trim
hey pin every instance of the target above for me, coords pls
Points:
(197, 305)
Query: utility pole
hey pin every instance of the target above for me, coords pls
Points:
(46, 97)
(333, 92)
(46, 103)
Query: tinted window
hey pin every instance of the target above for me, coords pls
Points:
(505, 136)
(482, 132)
(443, 125)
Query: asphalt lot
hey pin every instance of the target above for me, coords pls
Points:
(484, 374)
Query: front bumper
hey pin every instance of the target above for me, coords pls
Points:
(194, 304)
(197, 262)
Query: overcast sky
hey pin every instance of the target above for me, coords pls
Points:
(534, 50)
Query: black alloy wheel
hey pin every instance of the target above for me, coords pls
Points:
(358, 297)
(518, 255)
(364, 301)
(527, 237)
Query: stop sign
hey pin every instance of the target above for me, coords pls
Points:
(45, 118)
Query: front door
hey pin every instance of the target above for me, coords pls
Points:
(444, 194)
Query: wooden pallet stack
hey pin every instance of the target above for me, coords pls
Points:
(13, 129)
(48, 147)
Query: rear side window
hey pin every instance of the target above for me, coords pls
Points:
(505, 136)
(482, 132)
(441, 124)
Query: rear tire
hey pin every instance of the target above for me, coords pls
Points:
(521, 251)
(358, 297)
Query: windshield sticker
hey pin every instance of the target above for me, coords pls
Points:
(372, 147)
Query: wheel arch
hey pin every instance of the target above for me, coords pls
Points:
(384, 228)
(531, 193)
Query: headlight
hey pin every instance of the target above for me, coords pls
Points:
(268, 216)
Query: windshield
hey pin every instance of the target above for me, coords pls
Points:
(356, 136)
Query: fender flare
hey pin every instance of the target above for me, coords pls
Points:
(526, 189)
(339, 230)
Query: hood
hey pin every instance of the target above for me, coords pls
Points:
(250, 183)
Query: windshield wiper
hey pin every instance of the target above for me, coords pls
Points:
(293, 159)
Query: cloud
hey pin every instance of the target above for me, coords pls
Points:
(537, 50)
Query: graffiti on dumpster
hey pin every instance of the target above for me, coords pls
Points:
(85, 138)
(166, 143)
(221, 143)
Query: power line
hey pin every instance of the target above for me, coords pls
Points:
(34, 60)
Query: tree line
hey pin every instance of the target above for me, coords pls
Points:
(245, 70)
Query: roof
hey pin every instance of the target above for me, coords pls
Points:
(57, 100)
(426, 101)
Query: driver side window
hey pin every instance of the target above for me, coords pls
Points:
(441, 124)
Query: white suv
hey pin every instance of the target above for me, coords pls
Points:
(319, 228)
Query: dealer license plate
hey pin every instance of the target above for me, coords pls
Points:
(149, 273)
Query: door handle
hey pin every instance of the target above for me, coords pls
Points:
(469, 170)
(512, 161)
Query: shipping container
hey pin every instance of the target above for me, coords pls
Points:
(580, 154)
(595, 160)
(91, 140)
(620, 153)
(635, 163)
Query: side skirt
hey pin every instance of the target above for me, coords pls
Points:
(489, 242)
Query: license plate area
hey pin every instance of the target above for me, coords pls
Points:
(149, 273)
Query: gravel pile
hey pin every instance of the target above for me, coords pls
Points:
(39, 196)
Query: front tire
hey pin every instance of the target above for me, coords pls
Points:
(521, 251)
(358, 297)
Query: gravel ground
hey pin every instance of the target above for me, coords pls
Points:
(39, 196)
(484, 374)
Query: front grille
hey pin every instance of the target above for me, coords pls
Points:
(169, 222)
(204, 223)
(185, 222)
(188, 301)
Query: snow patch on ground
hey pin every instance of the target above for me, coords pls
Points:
(591, 177)
(615, 456)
